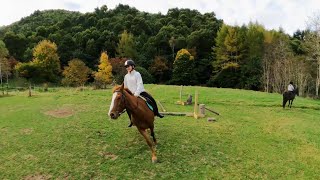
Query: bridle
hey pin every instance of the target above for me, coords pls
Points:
(123, 99)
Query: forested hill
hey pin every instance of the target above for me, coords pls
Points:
(182, 46)
(44, 18)
(85, 35)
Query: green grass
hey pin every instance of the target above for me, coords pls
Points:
(252, 138)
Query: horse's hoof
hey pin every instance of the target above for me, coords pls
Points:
(154, 160)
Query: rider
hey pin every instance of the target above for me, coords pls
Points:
(133, 81)
(290, 87)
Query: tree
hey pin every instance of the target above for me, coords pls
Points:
(251, 68)
(4, 65)
(229, 53)
(104, 74)
(172, 43)
(277, 62)
(126, 46)
(16, 44)
(46, 58)
(159, 69)
(313, 47)
(29, 71)
(118, 70)
(146, 76)
(182, 68)
(76, 73)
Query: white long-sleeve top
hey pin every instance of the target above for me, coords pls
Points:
(290, 87)
(133, 81)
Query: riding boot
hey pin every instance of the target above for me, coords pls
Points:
(160, 115)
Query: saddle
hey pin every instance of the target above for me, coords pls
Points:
(148, 102)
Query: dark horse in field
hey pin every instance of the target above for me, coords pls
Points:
(289, 96)
(141, 116)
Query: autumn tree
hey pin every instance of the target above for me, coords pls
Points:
(76, 73)
(45, 66)
(159, 69)
(229, 53)
(183, 68)
(46, 58)
(104, 74)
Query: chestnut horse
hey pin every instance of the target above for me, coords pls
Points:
(141, 116)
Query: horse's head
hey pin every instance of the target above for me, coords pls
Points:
(117, 102)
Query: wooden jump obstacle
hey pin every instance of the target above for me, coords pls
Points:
(198, 111)
(181, 102)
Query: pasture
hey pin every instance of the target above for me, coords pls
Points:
(66, 134)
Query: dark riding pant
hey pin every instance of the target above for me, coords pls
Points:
(154, 104)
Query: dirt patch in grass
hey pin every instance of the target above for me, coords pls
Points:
(26, 131)
(108, 155)
(60, 113)
(309, 152)
(38, 177)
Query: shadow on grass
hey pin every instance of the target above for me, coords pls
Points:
(6, 95)
(278, 105)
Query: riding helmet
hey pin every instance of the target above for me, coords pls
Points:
(129, 62)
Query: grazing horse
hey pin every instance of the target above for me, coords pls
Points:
(289, 96)
(141, 116)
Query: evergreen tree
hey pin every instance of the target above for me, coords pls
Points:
(126, 46)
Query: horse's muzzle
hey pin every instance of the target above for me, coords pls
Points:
(114, 115)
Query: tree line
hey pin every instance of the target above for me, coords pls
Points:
(181, 47)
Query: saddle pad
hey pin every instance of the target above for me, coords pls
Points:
(148, 102)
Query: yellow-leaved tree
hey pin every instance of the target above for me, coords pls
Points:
(46, 59)
(76, 73)
(104, 74)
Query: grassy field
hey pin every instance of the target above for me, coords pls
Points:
(66, 134)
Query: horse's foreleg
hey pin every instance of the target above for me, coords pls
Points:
(291, 103)
(146, 137)
(153, 136)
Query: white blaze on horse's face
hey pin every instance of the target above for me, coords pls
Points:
(112, 102)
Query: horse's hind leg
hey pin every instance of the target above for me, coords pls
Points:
(291, 103)
(284, 103)
(153, 136)
(146, 137)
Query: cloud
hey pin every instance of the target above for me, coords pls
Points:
(72, 6)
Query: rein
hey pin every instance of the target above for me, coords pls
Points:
(123, 97)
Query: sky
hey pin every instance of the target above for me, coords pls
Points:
(290, 15)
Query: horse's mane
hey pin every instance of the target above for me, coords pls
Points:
(115, 88)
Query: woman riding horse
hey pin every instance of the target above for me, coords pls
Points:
(141, 116)
(289, 95)
(133, 81)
